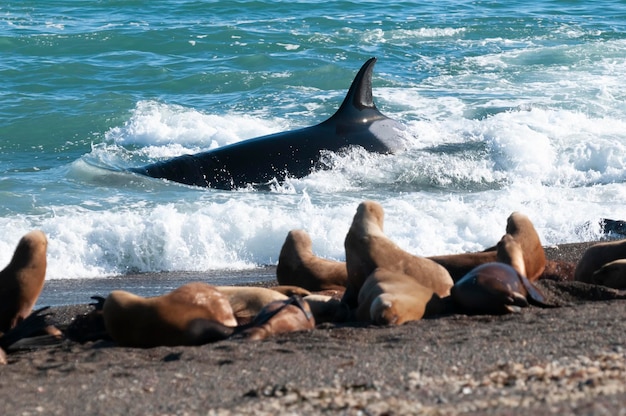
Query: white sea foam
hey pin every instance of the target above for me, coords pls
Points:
(451, 191)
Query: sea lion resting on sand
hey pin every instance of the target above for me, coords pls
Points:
(392, 298)
(297, 265)
(597, 256)
(193, 314)
(198, 313)
(498, 287)
(367, 248)
(22, 279)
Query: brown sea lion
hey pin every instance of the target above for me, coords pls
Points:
(500, 287)
(392, 298)
(597, 256)
(279, 317)
(367, 248)
(612, 274)
(297, 265)
(22, 279)
(248, 301)
(523, 231)
(193, 314)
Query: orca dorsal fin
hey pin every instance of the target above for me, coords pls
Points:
(360, 93)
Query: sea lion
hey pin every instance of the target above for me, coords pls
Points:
(523, 231)
(247, 301)
(367, 248)
(279, 317)
(612, 274)
(490, 288)
(499, 287)
(392, 298)
(297, 265)
(22, 279)
(597, 256)
(193, 314)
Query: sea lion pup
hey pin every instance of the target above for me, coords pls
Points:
(278, 317)
(247, 301)
(612, 274)
(297, 265)
(22, 279)
(500, 287)
(597, 256)
(392, 298)
(193, 314)
(367, 248)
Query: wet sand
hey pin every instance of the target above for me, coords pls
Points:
(570, 359)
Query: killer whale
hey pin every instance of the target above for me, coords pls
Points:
(294, 153)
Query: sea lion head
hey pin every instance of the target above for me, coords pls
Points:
(510, 252)
(493, 288)
(368, 220)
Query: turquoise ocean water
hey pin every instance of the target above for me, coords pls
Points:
(514, 107)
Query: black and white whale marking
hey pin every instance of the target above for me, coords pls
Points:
(293, 153)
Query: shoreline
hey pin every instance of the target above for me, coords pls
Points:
(570, 359)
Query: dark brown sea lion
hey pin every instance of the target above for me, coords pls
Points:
(22, 279)
(297, 265)
(597, 256)
(392, 298)
(612, 274)
(500, 287)
(367, 248)
(248, 301)
(193, 314)
(279, 317)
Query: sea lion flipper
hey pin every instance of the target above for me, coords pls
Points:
(34, 323)
(99, 302)
(535, 296)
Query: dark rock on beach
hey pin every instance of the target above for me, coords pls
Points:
(565, 360)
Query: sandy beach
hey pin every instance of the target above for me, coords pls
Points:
(570, 359)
